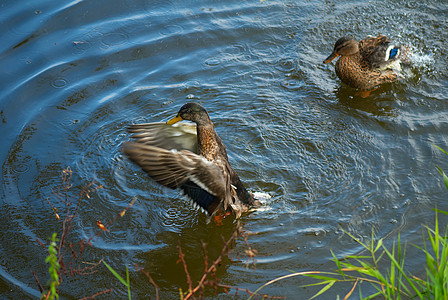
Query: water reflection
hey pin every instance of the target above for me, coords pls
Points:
(380, 103)
(169, 271)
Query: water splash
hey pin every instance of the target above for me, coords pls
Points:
(417, 60)
(263, 198)
(422, 60)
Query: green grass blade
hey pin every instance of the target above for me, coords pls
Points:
(356, 239)
(400, 269)
(378, 245)
(320, 283)
(320, 277)
(373, 296)
(115, 274)
(323, 290)
(440, 149)
(128, 283)
(441, 211)
(445, 178)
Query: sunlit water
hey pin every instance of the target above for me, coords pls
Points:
(74, 74)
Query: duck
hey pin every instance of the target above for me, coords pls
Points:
(366, 64)
(191, 158)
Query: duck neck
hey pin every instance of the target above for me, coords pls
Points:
(207, 141)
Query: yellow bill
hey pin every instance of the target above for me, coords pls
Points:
(174, 120)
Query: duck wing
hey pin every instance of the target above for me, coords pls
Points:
(180, 136)
(380, 53)
(201, 180)
(368, 45)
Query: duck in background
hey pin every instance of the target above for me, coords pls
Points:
(192, 159)
(368, 63)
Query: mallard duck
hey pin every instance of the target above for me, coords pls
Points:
(369, 63)
(193, 160)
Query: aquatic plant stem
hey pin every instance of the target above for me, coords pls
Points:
(281, 278)
(156, 287)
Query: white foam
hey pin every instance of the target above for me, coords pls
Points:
(422, 60)
(262, 197)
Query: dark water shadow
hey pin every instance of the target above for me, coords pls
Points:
(379, 103)
(167, 268)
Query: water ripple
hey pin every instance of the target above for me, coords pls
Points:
(59, 83)
(212, 61)
(171, 30)
(114, 39)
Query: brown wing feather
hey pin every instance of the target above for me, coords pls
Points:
(181, 136)
(174, 168)
(368, 45)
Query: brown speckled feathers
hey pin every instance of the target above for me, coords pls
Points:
(369, 63)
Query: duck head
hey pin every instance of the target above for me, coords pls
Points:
(345, 46)
(191, 112)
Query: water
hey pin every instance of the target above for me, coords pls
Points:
(75, 74)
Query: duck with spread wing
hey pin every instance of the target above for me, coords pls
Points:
(193, 160)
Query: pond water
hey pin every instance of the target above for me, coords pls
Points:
(74, 74)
